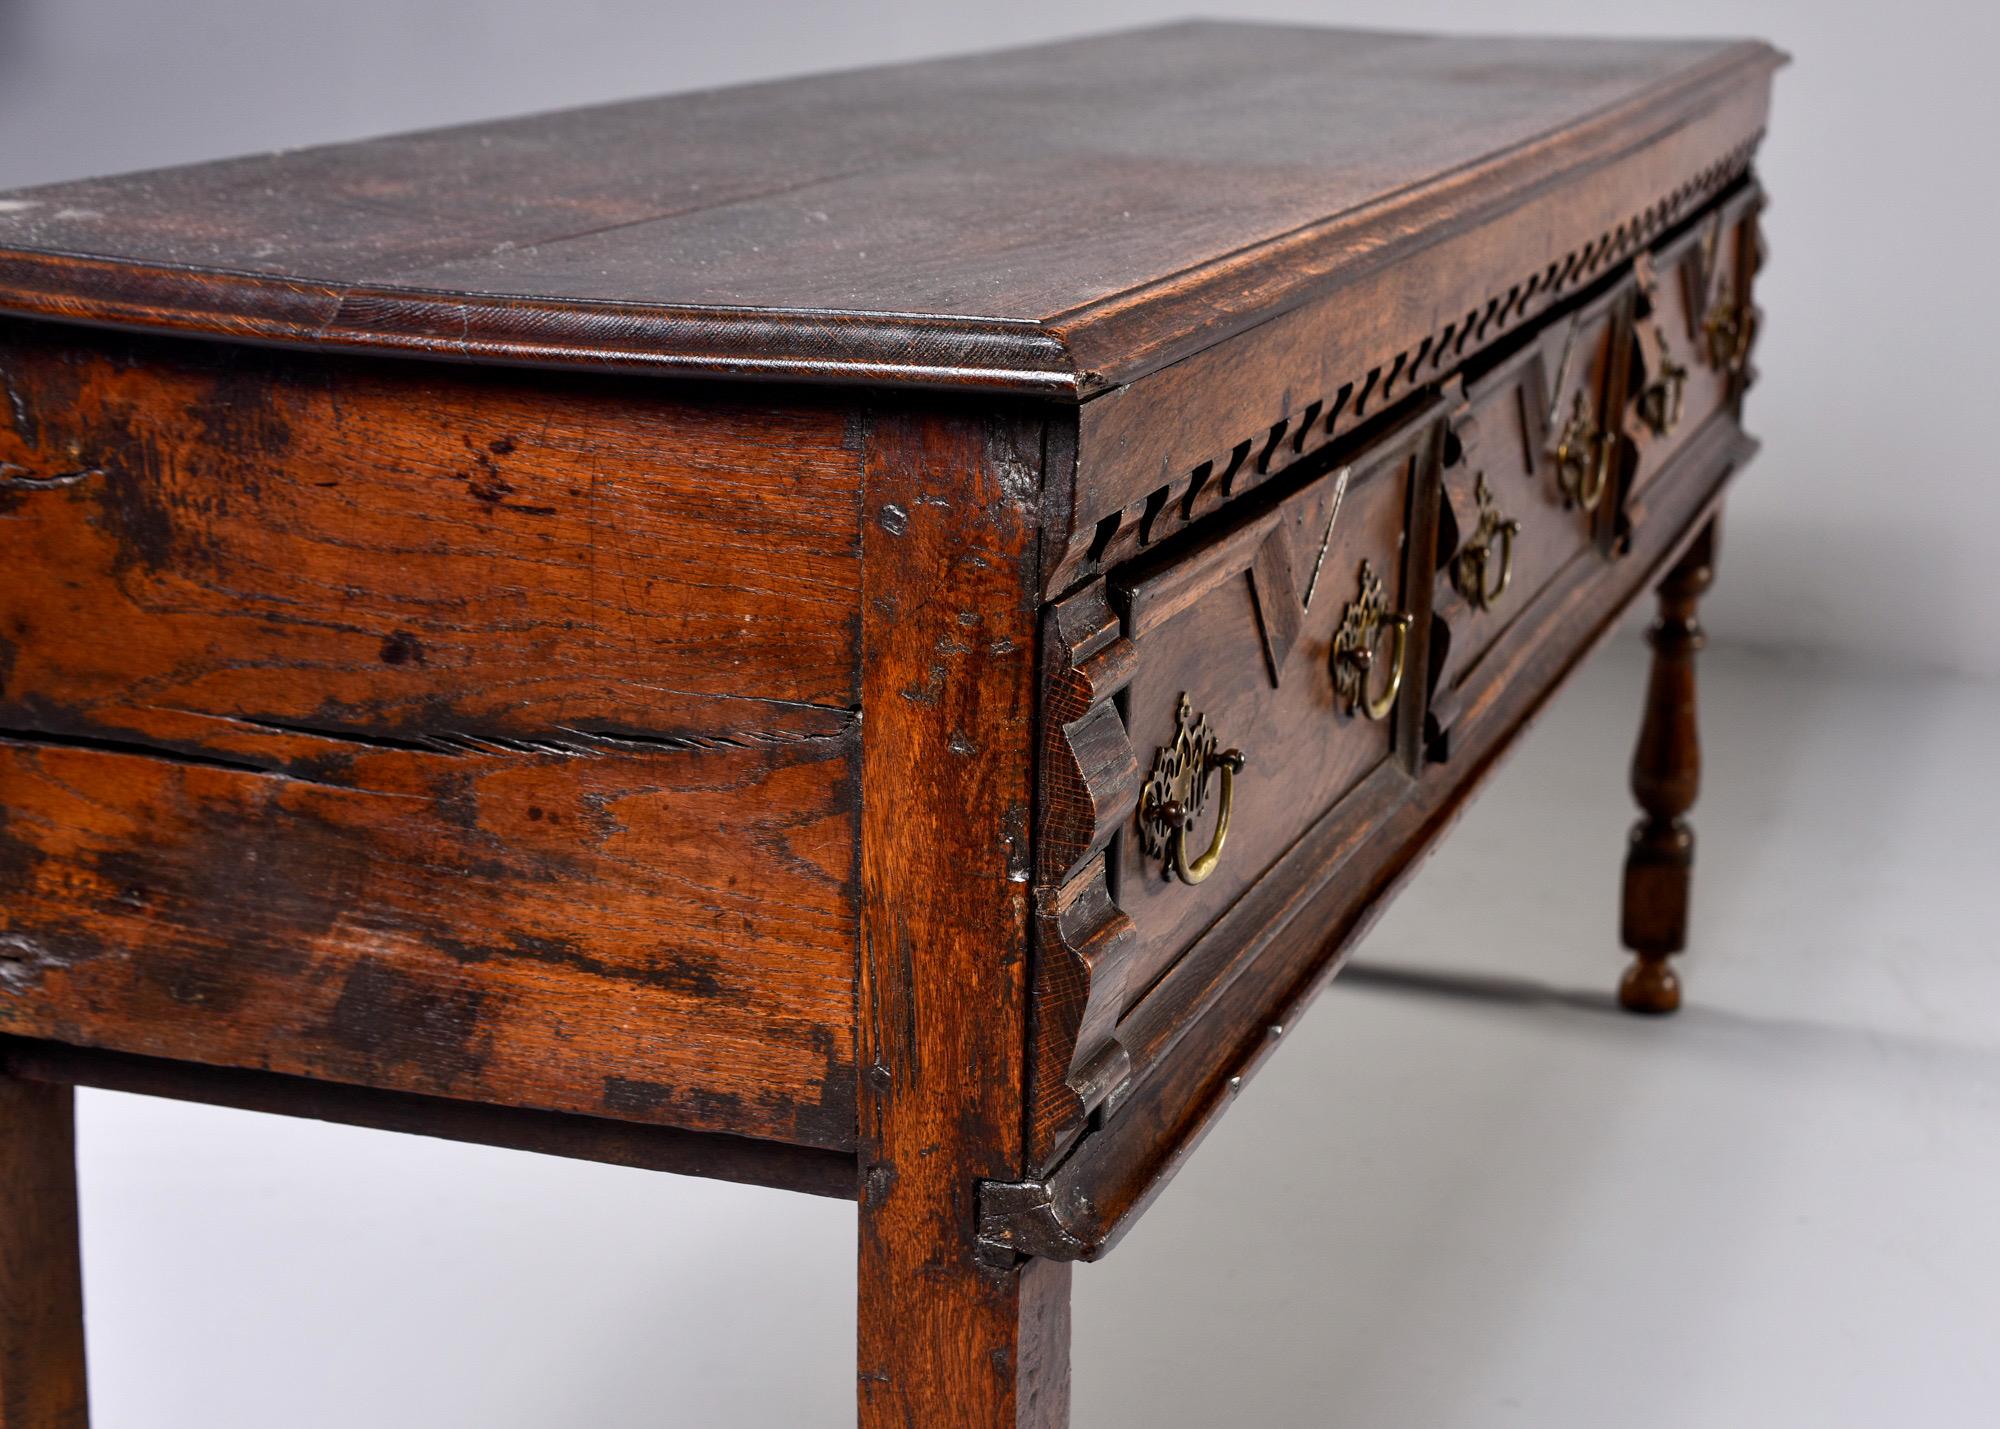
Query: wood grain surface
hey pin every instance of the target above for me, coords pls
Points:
(42, 1382)
(475, 735)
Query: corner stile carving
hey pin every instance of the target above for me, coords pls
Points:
(1090, 782)
(1092, 773)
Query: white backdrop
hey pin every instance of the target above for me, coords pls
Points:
(1865, 530)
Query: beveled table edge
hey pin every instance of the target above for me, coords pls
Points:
(1068, 357)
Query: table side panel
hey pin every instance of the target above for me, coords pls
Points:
(481, 735)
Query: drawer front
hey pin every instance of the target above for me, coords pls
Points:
(1242, 636)
(1293, 638)
(1528, 486)
(1520, 505)
(474, 734)
(1692, 332)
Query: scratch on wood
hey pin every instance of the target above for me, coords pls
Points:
(23, 961)
(19, 478)
(24, 423)
(772, 700)
(909, 1055)
(876, 1183)
(929, 692)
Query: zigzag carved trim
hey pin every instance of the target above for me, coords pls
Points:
(1272, 447)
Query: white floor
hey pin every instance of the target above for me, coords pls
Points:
(1464, 1193)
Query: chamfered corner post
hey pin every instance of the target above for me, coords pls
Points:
(1666, 777)
(950, 591)
(41, 1283)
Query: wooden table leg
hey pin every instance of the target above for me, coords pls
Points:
(948, 628)
(41, 1280)
(1666, 776)
(961, 1349)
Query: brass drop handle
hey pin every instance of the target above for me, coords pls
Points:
(1178, 790)
(1729, 331)
(1583, 458)
(1660, 403)
(1662, 400)
(1488, 595)
(1228, 763)
(1362, 660)
(1361, 627)
(1472, 568)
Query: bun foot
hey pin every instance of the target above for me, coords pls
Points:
(1650, 986)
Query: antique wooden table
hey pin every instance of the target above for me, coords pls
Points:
(879, 634)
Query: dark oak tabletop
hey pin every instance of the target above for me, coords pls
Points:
(1052, 219)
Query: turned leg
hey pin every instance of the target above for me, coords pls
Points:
(1666, 776)
(41, 1281)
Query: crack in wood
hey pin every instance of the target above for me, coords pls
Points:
(565, 741)
(169, 754)
(101, 744)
